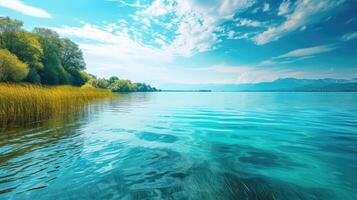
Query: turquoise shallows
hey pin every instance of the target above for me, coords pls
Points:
(189, 146)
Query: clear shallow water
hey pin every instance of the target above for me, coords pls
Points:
(189, 146)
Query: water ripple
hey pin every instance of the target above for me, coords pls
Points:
(189, 146)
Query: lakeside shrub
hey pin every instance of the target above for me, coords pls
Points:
(11, 68)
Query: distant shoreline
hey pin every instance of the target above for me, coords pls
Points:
(185, 91)
(312, 91)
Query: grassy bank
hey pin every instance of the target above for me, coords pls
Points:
(24, 103)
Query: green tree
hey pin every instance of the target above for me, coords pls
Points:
(73, 62)
(23, 44)
(53, 73)
(28, 49)
(142, 87)
(79, 78)
(101, 83)
(117, 85)
(8, 28)
(122, 86)
(11, 68)
(112, 79)
(7, 24)
(72, 56)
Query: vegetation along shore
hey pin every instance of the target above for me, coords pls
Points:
(42, 74)
(23, 103)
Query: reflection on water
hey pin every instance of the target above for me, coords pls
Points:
(189, 146)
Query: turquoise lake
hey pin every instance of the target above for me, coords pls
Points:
(189, 146)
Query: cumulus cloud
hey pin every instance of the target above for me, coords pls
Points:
(306, 12)
(21, 7)
(117, 46)
(196, 21)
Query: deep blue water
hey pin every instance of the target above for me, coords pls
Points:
(189, 146)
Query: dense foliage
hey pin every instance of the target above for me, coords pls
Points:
(117, 85)
(51, 60)
(11, 68)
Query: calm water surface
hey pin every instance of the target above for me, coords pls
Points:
(189, 146)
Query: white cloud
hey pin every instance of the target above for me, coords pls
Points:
(237, 35)
(308, 51)
(195, 25)
(21, 7)
(306, 12)
(146, 22)
(89, 31)
(297, 55)
(196, 21)
(266, 7)
(279, 61)
(284, 8)
(349, 36)
(160, 41)
(123, 3)
(249, 22)
(118, 46)
(230, 34)
(158, 8)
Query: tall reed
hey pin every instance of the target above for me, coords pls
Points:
(24, 103)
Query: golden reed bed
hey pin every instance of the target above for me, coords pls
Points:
(24, 103)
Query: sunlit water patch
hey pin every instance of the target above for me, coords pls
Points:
(189, 146)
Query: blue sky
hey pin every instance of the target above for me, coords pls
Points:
(165, 42)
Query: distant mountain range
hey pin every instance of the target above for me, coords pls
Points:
(285, 84)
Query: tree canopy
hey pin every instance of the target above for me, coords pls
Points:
(118, 85)
(11, 68)
(51, 60)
